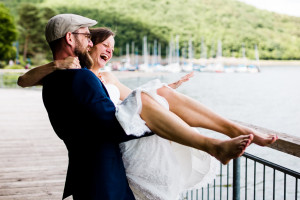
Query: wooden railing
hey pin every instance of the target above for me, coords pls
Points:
(285, 143)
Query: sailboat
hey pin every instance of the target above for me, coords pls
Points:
(173, 57)
(217, 66)
(242, 67)
(145, 66)
(255, 68)
(252, 68)
(203, 57)
(189, 66)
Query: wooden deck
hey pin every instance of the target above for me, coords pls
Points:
(33, 160)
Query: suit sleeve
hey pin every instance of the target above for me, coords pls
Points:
(96, 107)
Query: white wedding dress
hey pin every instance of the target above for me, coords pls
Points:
(155, 167)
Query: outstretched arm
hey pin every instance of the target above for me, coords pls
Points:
(181, 80)
(34, 76)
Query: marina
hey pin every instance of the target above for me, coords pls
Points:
(182, 59)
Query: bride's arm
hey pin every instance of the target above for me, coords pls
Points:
(34, 76)
(181, 80)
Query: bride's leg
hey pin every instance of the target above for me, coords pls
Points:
(197, 115)
(168, 125)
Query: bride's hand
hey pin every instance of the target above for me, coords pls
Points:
(181, 80)
(68, 63)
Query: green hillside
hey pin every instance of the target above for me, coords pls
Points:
(230, 21)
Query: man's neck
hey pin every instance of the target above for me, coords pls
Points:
(63, 54)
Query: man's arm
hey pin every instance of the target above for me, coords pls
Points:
(34, 76)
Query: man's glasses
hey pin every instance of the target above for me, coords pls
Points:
(87, 35)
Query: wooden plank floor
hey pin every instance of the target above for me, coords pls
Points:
(33, 160)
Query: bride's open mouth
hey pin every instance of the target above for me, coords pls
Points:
(104, 57)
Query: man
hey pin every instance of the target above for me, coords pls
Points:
(83, 116)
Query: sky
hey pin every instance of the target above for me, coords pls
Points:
(289, 7)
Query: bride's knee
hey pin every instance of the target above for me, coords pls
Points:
(166, 92)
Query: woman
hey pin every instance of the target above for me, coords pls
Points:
(155, 167)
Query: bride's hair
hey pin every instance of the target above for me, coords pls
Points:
(100, 34)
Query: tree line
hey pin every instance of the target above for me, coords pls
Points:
(24, 39)
(204, 22)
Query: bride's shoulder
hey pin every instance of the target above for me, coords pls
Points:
(110, 77)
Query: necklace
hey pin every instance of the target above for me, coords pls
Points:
(101, 77)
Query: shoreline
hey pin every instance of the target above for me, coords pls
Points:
(245, 61)
(132, 74)
(224, 60)
(278, 62)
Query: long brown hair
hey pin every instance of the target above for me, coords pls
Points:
(100, 34)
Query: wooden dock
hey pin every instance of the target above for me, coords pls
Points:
(33, 160)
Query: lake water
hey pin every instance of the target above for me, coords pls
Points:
(270, 99)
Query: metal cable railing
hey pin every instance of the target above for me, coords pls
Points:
(251, 188)
(276, 170)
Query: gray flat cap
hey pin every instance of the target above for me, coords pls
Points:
(58, 26)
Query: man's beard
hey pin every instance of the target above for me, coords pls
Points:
(84, 56)
(85, 59)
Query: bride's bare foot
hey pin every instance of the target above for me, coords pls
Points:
(262, 139)
(233, 148)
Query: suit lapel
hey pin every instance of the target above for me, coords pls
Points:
(104, 88)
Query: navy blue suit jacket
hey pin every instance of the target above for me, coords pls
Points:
(83, 116)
